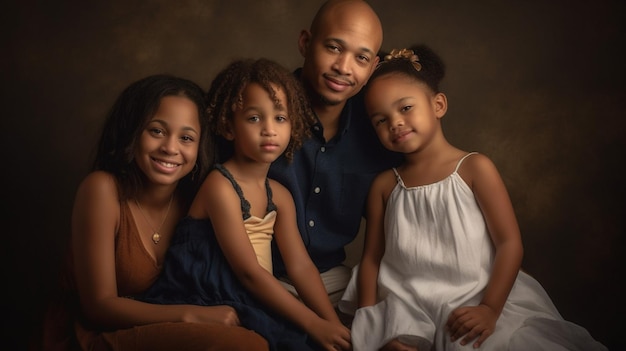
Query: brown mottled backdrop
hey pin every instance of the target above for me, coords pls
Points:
(536, 85)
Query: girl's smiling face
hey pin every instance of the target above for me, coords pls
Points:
(168, 146)
(404, 112)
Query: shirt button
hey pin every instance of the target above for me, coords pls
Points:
(311, 223)
(323, 149)
(317, 189)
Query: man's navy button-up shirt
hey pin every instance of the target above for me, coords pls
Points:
(329, 182)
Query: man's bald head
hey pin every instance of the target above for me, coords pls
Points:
(334, 10)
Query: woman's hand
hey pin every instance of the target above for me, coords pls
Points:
(221, 314)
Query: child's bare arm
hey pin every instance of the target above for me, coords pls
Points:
(374, 245)
(497, 209)
(323, 322)
(494, 201)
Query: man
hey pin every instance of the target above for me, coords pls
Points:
(331, 174)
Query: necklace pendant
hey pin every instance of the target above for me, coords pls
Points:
(156, 237)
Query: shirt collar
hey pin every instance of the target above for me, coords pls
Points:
(344, 123)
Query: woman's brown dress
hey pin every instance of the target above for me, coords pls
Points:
(136, 269)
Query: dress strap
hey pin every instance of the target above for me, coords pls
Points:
(270, 204)
(245, 205)
(398, 178)
(463, 159)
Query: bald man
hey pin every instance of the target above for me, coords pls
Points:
(330, 175)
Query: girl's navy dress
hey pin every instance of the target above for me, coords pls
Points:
(196, 272)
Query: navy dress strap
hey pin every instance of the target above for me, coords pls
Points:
(245, 205)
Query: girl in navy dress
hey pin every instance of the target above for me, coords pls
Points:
(221, 254)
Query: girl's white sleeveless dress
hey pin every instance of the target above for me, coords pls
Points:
(438, 257)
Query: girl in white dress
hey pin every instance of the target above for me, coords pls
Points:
(441, 262)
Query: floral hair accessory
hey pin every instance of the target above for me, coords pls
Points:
(405, 54)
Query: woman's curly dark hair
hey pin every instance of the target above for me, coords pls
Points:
(225, 96)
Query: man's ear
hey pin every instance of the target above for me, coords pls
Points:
(441, 104)
(303, 42)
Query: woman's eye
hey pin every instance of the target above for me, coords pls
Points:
(406, 108)
(156, 131)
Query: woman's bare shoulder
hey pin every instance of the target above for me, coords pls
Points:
(99, 183)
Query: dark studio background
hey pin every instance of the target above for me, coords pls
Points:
(536, 85)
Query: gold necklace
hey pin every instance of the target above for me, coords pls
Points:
(156, 237)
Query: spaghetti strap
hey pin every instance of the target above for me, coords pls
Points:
(463, 159)
(398, 178)
(245, 205)
(270, 204)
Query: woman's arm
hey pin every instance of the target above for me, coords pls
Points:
(374, 244)
(95, 220)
